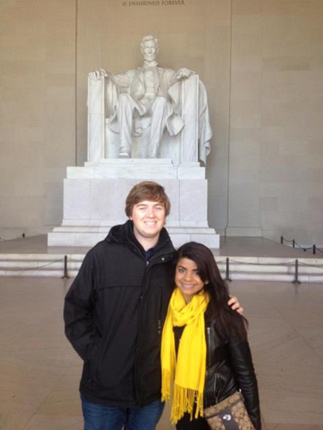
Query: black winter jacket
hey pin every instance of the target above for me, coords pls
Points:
(229, 367)
(114, 312)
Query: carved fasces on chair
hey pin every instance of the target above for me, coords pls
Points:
(96, 118)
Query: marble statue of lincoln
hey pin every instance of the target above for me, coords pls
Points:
(146, 96)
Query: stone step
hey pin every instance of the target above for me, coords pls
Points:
(274, 276)
(88, 236)
(47, 265)
(240, 268)
(37, 273)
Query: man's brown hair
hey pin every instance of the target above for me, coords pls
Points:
(147, 190)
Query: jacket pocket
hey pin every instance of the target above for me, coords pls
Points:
(216, 386)
(92, 360)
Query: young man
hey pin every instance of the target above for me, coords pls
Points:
(114, 313)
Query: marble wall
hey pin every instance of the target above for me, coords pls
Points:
(261, 62)
(276, 129)
(37, 126)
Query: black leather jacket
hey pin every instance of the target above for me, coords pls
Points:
(229, 367)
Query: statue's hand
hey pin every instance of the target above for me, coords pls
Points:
(97, 74)
(184, 73)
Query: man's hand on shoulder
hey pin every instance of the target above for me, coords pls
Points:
(235, 305)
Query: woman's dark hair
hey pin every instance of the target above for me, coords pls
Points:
(227, 319)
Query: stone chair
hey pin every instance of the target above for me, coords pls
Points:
(94, 194)
(186, 147)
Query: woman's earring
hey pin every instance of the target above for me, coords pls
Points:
(206, 283)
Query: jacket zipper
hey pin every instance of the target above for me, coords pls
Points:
(216, 377)
(148, 265)
(208, 334)
(209, 360)
(208, 340)
(136, 387)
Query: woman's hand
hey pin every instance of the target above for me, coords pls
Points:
(235, 305)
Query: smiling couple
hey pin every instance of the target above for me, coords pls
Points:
(115, 312)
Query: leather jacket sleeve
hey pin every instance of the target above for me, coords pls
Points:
(242, 366)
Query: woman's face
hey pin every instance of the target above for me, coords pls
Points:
(187, 278)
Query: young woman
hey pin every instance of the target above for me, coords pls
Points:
(205, 351)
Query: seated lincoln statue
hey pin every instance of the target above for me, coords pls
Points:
(149, 96)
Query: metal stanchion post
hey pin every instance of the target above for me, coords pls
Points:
(296, 281)
(314, 249)
(227, 270)
(281, 240)
(65, 276)
(293, 243)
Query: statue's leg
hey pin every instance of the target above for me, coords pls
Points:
(158, 111)
(125, 107)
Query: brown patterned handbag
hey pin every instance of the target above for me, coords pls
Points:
(230, 414)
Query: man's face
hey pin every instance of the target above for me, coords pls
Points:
(148, 218)
(149, 50)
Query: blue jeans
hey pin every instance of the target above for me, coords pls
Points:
(99, 417)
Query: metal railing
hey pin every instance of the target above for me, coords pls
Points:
(293, 263)
(227, 261)
(21, 236)
(314, 248)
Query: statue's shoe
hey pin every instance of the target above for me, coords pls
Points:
(124, 154)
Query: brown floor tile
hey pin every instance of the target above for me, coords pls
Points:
(15, 421)
(47, 422)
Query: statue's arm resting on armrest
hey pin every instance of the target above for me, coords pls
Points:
(180, 74)
(113, 86)
(120, 80)
(99, 73)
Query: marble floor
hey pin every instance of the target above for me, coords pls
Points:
(39, 371)
(229, 246)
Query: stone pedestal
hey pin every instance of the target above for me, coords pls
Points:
(94, 200)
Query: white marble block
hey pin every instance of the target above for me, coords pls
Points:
(94, 200)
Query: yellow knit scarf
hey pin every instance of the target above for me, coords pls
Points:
(187, 373)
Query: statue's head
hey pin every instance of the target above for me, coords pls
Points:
(149, 47)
